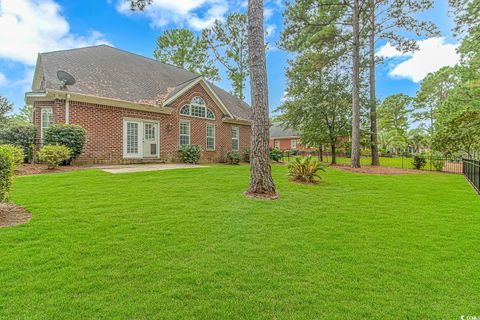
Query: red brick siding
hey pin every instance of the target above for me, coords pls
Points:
(104, 126)
(285, 143)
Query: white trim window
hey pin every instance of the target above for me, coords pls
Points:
(184, 132)
(46, 120)
(293, 143)
(277, 144)
(235, 138)
(198, 109)
(210, 139)
(132, 139)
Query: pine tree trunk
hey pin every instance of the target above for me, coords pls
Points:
(261, 181)
(355, 159)
(373, 96)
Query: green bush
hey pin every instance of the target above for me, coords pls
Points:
(190, 153)
(7, 168)
(70, 135)
(246, 155)
(54, 155)
(419, 162)
(438, 161)
(276, 154)
(16, 152)
(23, 136)
(233, 157)
(305, 169)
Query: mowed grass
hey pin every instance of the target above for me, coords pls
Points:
(186, 244)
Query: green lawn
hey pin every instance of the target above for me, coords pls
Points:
(186, 244)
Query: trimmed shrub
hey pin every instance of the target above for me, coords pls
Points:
(233, 157)
(7, 168)
(305, 169)
(246, 155)
(419, 162)
(16, 152)
(54, 155)
(438, 162)
(276, 154)
(70, 135)
(23, 136)
(190, 153)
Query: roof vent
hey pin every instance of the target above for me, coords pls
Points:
(65, 78)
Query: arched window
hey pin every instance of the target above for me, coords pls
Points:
(198, 109)
(185, 110)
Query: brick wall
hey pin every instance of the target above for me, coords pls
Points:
(104, 126)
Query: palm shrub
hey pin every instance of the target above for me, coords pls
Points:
(70, 135)
(54, 155)
(7, 169)
(233, 157)
(190, 153)
(16, 152)
(419, 162)
(23, 136)
(276, 154)
(305, 169)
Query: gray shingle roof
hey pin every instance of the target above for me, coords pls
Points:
(278, 131)
(108, 72)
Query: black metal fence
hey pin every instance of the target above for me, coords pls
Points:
(471, 170)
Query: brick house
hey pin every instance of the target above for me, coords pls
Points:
(285, 139)
(135, 109)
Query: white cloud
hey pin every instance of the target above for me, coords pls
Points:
(28, 27)
(432, 55)
(3, 79)
(163, 12)
(270, 29)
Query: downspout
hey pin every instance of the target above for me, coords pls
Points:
(67, 109)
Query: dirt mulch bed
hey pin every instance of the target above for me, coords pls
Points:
(11, 215)
(377, 170)
(30, 169)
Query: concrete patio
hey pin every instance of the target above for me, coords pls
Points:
(116, 169)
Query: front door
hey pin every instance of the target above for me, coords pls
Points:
(150, 139)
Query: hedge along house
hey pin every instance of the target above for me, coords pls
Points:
(135, 109)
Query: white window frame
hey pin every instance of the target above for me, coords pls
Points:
(276, 144)
(237, 129)
(42, 125)
(192, 104)
(139, 153)
(214, 137)
(184, 135)
(293, 143)
(140, 133)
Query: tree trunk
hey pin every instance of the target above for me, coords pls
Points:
(355, 159)
(261, 181)
(320, 154)
(373, 96)
(334, 153)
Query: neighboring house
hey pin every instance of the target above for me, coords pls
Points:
(135, 108)
(285, 139)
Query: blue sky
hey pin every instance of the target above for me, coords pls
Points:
(31, 26)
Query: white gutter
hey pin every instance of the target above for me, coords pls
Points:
(67, 109)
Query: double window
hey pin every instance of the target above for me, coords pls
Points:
(184, 132)
(46, 120)
(197, 108)
(235, 138)
(210, 139)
